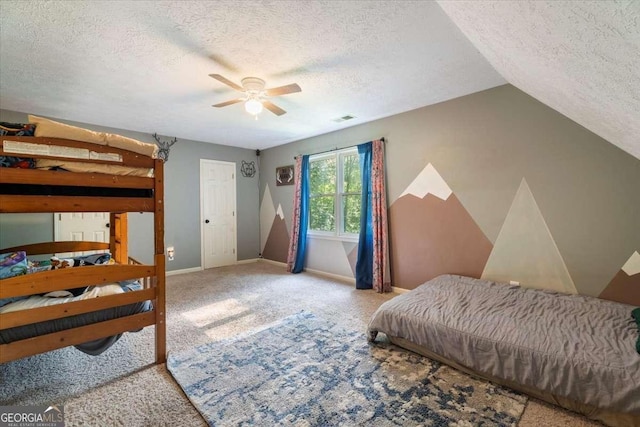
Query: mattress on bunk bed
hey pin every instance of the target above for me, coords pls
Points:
(68, 190)
(571, 347)
(82, 167)
(48, 128)
(50, 326)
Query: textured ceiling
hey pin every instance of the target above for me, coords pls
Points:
(144, 66)
(581, 58)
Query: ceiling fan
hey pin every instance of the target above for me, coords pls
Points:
(255, 94)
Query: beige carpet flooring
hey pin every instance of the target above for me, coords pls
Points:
(122, 387)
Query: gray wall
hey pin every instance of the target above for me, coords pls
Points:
(483, 145)
(182, 203)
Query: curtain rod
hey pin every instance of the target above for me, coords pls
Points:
(336, 149)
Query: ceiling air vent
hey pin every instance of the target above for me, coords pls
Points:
(344, 118)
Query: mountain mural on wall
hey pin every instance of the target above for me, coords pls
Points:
(277, 244)
(625, 286)
(351, 250)
(525, 250)
(267, 214)
(431, 233)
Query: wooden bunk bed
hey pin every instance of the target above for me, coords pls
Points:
(50, 191)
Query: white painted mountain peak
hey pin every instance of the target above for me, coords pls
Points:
(632, 266)
(279, 211)
(428, 181)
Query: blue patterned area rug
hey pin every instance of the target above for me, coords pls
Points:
(305, 371)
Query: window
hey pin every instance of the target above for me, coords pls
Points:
(335, 194)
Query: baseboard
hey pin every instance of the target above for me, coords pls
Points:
(351, 280)
(310, 270)
(183, 271)
(339, 277)
(194, 269)
(270, 261)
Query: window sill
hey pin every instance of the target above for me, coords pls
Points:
(333, 237)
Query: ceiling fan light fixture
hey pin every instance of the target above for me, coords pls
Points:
(256, 97)
(253, 106)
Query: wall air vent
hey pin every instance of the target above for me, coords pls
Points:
(344, 118)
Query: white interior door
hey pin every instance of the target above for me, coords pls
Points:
(218, 213)
(81, 226)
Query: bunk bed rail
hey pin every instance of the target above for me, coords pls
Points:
(44, 343)
(58, 247)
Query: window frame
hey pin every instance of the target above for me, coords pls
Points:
(338, 195)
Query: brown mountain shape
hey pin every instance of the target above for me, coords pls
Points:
(277, 245)
(430, 237)
(623, 288)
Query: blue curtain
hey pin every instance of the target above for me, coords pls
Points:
(298, 266)
(364, 263)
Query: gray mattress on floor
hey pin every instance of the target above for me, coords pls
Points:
(576, 347)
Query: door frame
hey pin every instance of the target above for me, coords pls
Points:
(204, 162)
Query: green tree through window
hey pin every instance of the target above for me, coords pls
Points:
(335, 193)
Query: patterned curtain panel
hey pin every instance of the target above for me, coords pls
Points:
(372, 266)
(300, 220)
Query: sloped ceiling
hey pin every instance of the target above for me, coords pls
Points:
(581, 58)
(144, 65)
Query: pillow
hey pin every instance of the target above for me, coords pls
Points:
(58, 294)
(635, 313)
(13, 264)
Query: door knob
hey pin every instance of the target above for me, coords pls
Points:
(107, 225)
(206, 221)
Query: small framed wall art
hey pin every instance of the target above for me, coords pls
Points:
(284, 175)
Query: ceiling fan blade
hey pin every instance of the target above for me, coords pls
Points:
(273, 108)
(227, 82)
(224, 104)
(283, 90)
